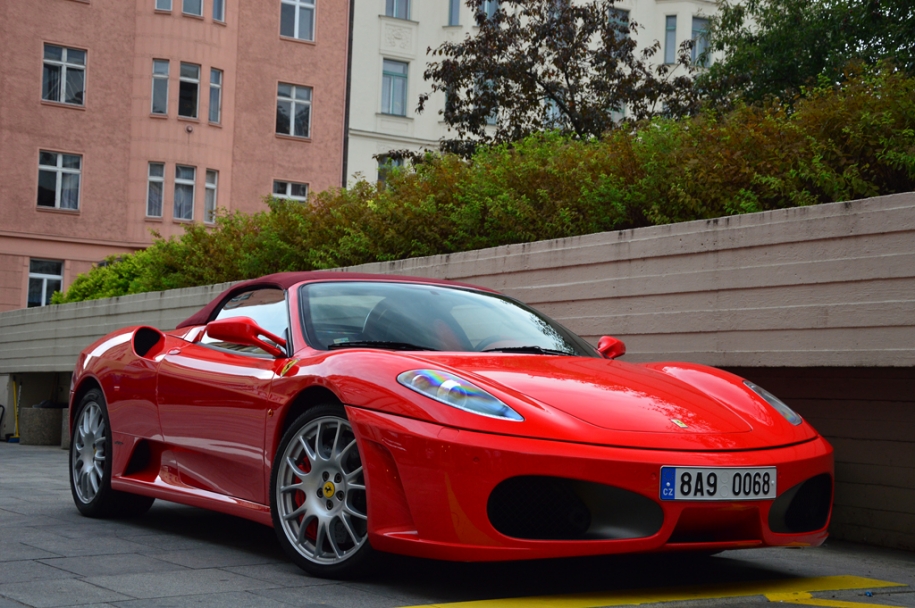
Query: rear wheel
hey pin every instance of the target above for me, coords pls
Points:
(90, 464)
(318, 498)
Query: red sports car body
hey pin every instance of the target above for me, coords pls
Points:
(358, 413)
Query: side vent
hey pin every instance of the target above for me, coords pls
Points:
(148, 342)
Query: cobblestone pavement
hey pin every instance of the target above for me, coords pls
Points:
(182, 556)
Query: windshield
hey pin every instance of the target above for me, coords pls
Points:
(407, 316)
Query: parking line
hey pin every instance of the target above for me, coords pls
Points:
(791, 590)
(806, 599)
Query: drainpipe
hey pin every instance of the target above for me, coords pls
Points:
(349, 80)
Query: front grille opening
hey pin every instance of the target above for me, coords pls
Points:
(804, 507)
(711, 524)
(555, 508)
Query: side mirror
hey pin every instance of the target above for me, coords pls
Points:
(244, 330)
(610, 347)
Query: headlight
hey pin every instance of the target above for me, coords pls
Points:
(455, 391)
(789, 414)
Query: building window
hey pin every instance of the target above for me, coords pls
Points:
(290, 190)
(700, 40)
(619, 18)
(64, 77)
(164, 5)
(45, 277)
(155, 189)
(297, 19)
(293, 110)
(160, 86)
(209, 201)
(215, 95)
(670, 39)
(58, 180)
(394, 88)
(386, 164)
(188, 90)
(489, 8)
(184, 192)
(399, 9)
(219, 10)
(192, 7)
(454, 12)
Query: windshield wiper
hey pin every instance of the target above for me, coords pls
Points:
(531, 350)
(378, 344)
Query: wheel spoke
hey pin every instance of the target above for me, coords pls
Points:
(345, 450)
(319, 538)
(333, 449)
(299, 511)
(354, 474)
(354, 512)
(356, 486)
(333, 541)
(300, 533)
(291, 488)
(312, 456)
(349, 528)
(294, 468)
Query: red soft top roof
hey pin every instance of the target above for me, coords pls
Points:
(285, 280)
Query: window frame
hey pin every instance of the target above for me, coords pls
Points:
(184, 10)
(293, 101)
(387, 102)
(64, 66)
(221, 4)
(393, 7)
(297, 6)
(44, 278)
(217, 89)
(288, 196)
(210, 201)
(182, 181)
(670, 39)
(182, 79)
(700, 40)
(59, 171)
(165, 2)
(160, 77)
(150, 180)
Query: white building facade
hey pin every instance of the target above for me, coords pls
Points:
(390, 39)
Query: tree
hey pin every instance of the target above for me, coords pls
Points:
(552, 64)
(774, 48)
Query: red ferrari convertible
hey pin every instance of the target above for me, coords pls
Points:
(359, 414)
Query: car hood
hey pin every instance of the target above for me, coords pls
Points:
(617, 397)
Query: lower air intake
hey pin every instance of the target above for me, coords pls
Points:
(555, 508)
(804, 507)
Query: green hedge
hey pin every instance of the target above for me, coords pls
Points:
(837, 143)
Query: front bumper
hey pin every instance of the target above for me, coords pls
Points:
(429, 487)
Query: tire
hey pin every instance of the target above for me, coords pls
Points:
(90, 464)
(318, 498)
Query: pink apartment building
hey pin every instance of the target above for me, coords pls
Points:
(119, 117)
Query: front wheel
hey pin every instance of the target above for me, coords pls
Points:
(317, 495)
(90, 464)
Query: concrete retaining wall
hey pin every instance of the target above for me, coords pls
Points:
(816, 303)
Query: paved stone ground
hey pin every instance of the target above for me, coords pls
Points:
(180, 556)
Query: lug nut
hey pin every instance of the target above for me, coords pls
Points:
(325, 475)
(338, 478)
(320, 493)
(340, 496)
(330, 505)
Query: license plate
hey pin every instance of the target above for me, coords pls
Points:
(717, 483)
